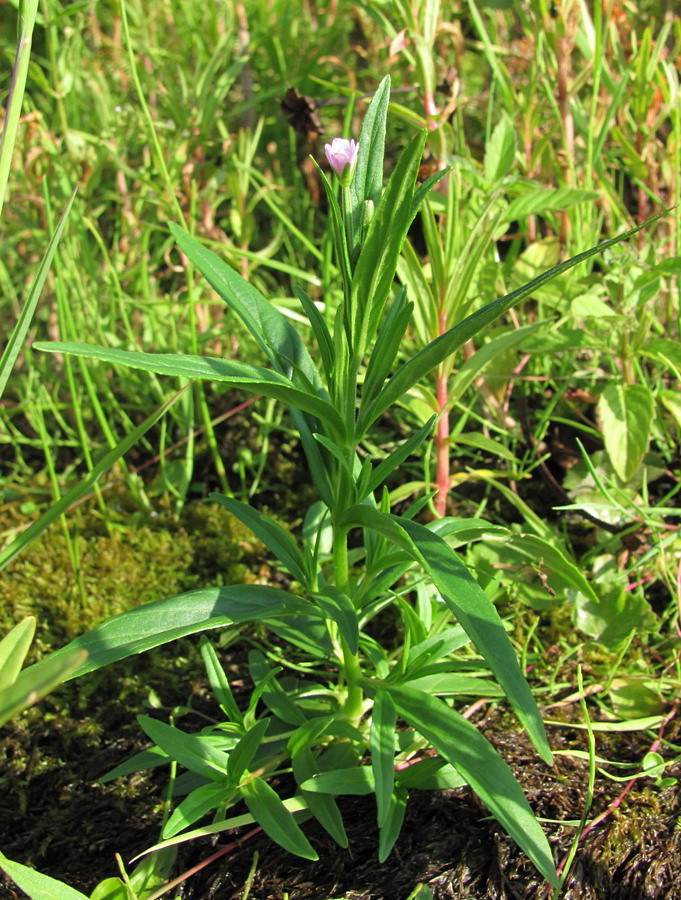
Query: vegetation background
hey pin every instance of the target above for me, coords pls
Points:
(562, 124)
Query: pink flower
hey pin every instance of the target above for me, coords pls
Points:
(342, 155)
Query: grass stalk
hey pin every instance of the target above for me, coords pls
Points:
(27, 15)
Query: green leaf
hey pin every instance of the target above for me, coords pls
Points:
(18, 336)
(273, 536)
(321, 332)
(427, 359)
(395, 459)
(500, 151)
(34, 682)
(547, 554)
(219, 682)
(323, 807)
(671, 400)
(389, 831)
(357, 780)
(146, 759)
(338, 607)
(612, 617)
(167, 620)
(460, 743)
(451, 684)
(276, 336)
(626, 415)
(196, 805)
(37, 885)
(539, 200)
(274, 819)
(367, 178)
(190, 750)
(242, 755)
(253, 379)
(382, 744)
(13, 649)
(430, 774)
(474, 611)
(274, 696)
(386, 346)
(375, 270)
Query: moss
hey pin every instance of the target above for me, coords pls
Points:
(144, 560)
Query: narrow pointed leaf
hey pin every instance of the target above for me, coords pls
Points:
(462, 745)
(196, 805)
(33, 683)
(274, 333)
(273, 536)
(390, 829)
(367, 179)
(13, 649)
(375, 270)
(432, 773)
(357, 780)
(395, 459)
(189, 750)
(322, 806)
(427, 359)
(474, 611)
(254, 379)
(167, 620)
(241, 756)
(321, 332)
(16, 340)
(36, 885)
(275, 820)
(219, 682)
(382, 744)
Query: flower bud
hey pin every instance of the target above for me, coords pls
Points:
(342, 155)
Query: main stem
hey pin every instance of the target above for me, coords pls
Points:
(352, 671)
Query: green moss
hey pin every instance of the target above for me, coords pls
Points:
(140, 561)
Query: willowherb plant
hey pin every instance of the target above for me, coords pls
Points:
(363, 718)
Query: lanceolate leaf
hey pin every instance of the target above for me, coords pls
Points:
(382, 743)
(254, 379)
(320, 329)
(275, 820)
(274, 333)
(273, 536)
(427, 359)
(13, 649)
(461, 744)
(167, 620)
(474, 610)
(322, 806)
(30, 685)
(37, 885)
(375, 271)
(392, 825)
(367, 179)
(189, 750)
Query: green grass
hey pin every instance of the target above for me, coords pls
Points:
(171, 113)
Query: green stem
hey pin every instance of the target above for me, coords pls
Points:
(346, 209)
(352, 670)
(353, 674)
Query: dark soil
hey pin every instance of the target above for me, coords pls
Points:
(55, 817)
